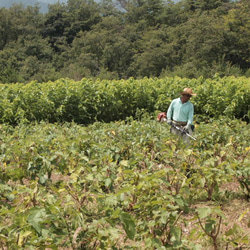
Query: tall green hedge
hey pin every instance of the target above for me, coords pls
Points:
(87, 101)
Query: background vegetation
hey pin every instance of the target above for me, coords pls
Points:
(87, 101)
(140, 38)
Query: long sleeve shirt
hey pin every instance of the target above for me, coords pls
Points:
(181, 112)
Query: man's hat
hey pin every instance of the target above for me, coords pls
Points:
(188, 91)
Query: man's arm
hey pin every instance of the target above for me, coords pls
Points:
(190, 115)
(170, 111)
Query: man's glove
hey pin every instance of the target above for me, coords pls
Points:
(187, 128)
(169, 122)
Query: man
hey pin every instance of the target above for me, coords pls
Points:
(181, 112)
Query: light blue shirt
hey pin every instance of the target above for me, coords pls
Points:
(181, 112)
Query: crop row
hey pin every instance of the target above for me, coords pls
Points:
(88, 101)
(122, 185)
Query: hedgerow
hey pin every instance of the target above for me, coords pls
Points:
(87, 101)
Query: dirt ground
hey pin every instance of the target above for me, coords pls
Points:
(236, 212)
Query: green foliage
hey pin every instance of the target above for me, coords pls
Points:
(127, 184)
(87, 101)
(243, 172)
(123, 39)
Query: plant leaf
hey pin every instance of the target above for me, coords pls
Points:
(128, 225)
(36, 217)
(204, 212)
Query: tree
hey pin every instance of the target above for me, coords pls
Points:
(144, 10)
(10, 64)
(203, 40)
(19, 21)
(109, 8)
(18, 26)
(155, 54)
(205, 5)
(81, 15)
(105, 47)
(55, 25)
(238, 35)
(5, 28)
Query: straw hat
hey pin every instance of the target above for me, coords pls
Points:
(188, 91)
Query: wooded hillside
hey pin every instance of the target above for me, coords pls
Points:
(139, 39)
(43, 4)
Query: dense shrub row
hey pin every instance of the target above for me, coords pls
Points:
(87, 101)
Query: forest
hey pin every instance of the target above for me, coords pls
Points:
(138, 38)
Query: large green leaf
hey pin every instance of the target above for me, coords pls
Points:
(204, 212)
(128, 225)
(36, 218)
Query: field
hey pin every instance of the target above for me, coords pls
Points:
(124, 184)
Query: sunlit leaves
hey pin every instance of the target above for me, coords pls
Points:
(36, 218)
(128, 225)
(127, 183)
(87, 101)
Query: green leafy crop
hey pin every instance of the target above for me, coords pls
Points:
(87, 101)
(120, 185)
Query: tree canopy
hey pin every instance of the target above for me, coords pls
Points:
(123, 39)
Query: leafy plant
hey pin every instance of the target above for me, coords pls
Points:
(243, 172)
(123, 184)
(87, 101)
(212, 222)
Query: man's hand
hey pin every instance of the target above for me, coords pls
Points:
(169, 122)
(187, 128)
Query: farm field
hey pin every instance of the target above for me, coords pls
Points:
(85, 165)
(124, 185)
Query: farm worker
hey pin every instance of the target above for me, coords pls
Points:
(181, 112)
